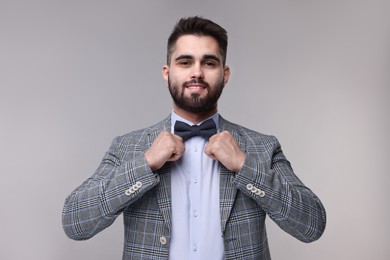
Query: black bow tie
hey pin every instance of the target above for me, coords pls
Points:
(205, 129)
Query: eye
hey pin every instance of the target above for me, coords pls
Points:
(210, 63)
(184, 63)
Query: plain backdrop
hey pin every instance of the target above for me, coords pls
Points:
(75, 74)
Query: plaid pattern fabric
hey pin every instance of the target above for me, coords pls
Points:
(124, 183)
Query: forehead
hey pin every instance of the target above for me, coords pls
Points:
(196, 45)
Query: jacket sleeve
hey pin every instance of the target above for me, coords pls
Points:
(122, 178)
(268, 178)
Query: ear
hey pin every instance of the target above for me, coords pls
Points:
(165, 72)
(226, 75)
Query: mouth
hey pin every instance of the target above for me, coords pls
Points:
(196, 84)
(196, 88)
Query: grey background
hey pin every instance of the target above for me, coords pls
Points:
(75, 74)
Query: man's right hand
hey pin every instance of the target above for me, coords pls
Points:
(166, 147)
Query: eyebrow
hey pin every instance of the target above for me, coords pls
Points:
(184, 57)
(211, 57)
(205, 57)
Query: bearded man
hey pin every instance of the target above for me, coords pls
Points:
(195, 186)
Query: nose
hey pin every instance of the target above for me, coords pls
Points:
(197, 71)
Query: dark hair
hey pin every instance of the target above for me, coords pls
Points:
(198, 26)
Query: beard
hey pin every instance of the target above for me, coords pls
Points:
(195, 103)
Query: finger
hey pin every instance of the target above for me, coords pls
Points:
(177, 136)
(175, 156)
(209, 151)
(211, 138)
(212, 156)
(178, 150)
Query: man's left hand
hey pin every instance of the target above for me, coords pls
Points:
(224, 148)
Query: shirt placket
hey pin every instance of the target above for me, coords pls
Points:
(195, 196)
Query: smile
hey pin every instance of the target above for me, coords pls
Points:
(196, 85)
(196, 88)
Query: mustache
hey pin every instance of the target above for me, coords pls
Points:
(197, 81)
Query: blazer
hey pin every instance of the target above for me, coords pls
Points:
(125, 184)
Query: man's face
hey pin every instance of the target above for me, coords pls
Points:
(196, 75)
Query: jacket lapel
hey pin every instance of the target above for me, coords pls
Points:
(227, 191)
(163, 188)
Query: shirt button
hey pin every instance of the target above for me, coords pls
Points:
(195, 180)
(163, 240)
(195, 213)
(195, 247)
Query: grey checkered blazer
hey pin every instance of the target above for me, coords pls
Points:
(124, 184)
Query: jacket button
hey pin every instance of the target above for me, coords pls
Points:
(163, 240)
(262, 193)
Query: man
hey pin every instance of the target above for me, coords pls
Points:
(194, 192)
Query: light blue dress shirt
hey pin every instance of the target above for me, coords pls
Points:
(196, 221)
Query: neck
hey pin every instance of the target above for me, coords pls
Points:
(195, 118)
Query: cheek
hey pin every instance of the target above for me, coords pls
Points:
(216, 77)
(175, 77)
(174, 82)
(171, 79)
